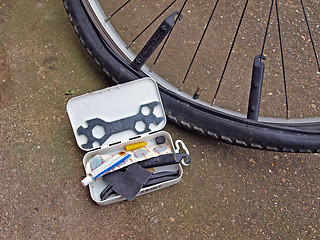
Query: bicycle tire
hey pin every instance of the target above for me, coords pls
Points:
(289, 136)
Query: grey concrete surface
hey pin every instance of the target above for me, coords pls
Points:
(226, 193)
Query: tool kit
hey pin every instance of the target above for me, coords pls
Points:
(128, 153)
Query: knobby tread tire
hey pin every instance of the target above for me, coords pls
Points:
(186, 113)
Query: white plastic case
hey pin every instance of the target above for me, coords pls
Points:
(117, 103)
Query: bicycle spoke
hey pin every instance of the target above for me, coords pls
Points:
(267, 28)
(232, 45)
(310, 34)
(195, 53)
(282, 61)
(111, 15)
(165, 41)
(155, 19)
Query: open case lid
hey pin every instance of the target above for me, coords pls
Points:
(116, 114)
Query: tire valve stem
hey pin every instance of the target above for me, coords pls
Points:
(197, 93)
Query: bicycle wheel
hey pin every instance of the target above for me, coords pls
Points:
(112, 54)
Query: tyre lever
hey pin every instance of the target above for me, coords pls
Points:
(256, 88)
(155, 40)
(165, 159)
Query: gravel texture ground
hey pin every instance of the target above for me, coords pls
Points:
(226, 193)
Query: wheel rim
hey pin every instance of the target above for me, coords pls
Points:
(110, 34)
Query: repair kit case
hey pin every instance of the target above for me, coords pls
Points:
(127, 153)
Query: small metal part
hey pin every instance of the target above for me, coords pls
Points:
(180, 86)
(155, 40)
(107, 18)
(196, 95)
(213, 101)
(120, 8)
(256, 88)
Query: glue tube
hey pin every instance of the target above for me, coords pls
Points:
(105, 167)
